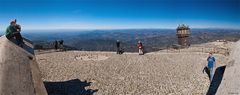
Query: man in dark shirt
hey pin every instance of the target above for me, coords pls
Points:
(118, 47)
(56, 44)
(18, 35)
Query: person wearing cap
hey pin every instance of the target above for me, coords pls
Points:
(211, 65)
(140, 48)
(10, 30)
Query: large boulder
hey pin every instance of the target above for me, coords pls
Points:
(19, 72)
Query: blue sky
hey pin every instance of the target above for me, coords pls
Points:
(120, 14)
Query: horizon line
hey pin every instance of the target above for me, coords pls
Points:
(130, 28)
(82, 29)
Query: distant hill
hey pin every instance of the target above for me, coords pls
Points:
(104, 40)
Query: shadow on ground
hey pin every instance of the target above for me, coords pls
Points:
(217, 79)
(71, 87)
(207, 71)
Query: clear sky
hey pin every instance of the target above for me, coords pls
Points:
(120, 14)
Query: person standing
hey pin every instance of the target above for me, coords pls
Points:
(118, 47)
(140, 48)
(211, 65)
(56, 45)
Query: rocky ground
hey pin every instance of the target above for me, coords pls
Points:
(158, 73)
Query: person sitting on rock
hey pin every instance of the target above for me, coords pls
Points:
(10, 30)
(211, 65)
(18, 35)
(13, 31)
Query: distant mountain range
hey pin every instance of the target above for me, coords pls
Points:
(105, 40)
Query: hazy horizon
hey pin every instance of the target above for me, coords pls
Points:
(90, 30)
(120, 14)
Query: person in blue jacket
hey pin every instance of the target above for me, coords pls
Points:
(211, 64)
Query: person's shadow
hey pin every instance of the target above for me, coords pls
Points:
(205, 69)
(217, 79)
(71, 87)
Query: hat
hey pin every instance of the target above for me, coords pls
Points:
(13, 21)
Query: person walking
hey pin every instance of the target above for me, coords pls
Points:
(211, 64)
(118, 47)
(140, 48)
